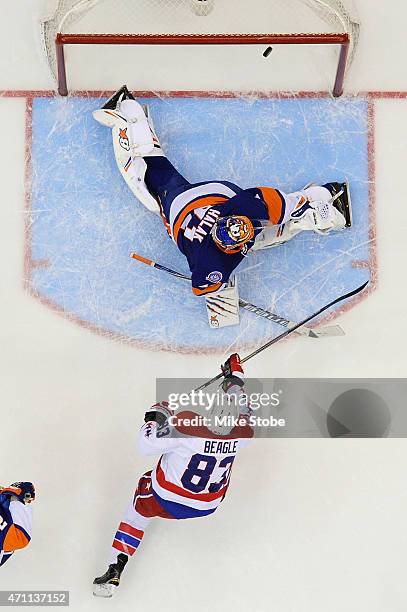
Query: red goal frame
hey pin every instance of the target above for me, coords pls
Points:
(343, 40)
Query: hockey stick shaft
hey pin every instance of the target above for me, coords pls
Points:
(271, 316)
(290, 331)
(154, 264)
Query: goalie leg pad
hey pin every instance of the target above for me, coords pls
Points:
(132, 132)
(320, 217)
(316, 193)
(143, 139)
(133, 127)
(337, 196)
(134, 136)
(133, 171)
(315, 208)
(322, 210)
(131, 164)
(273, 235)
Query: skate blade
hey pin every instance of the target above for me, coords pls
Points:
(347, 213)
(108, 103)
(104, 590)
(348, 217)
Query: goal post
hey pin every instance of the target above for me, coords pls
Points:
(174, 23)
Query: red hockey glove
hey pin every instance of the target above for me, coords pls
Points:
(232, 372)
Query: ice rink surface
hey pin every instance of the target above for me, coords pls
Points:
(308, 525)
(81, 194)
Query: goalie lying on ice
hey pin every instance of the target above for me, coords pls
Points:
(214, 223)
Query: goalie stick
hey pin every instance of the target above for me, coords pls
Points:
(290, 331)
(333, 330)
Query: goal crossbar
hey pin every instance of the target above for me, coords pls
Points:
(341, 39)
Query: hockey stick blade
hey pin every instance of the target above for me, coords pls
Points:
(290, 331)
(328, 332)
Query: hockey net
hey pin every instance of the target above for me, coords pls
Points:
(200, 44)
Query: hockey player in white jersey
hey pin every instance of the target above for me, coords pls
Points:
(15, 518)
(192, 476)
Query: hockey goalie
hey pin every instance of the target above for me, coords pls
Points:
(215, 224)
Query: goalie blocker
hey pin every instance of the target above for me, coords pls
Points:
(223, 306)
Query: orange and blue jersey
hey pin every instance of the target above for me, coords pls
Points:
(192, 217)
(190, 211)
(15, 527)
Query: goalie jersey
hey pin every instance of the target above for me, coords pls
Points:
(191, 214)
(192, 476)
(15, 526)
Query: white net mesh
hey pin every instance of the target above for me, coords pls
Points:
(182, 17)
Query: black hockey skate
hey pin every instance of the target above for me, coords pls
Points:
(121, 94)
(342, 202)
(104, 586)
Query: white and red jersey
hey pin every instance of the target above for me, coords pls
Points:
(193, 473)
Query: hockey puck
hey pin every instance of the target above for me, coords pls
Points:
(267, 51)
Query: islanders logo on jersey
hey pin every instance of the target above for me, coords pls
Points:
(214, 277)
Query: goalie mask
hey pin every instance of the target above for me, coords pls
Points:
(230, 234)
